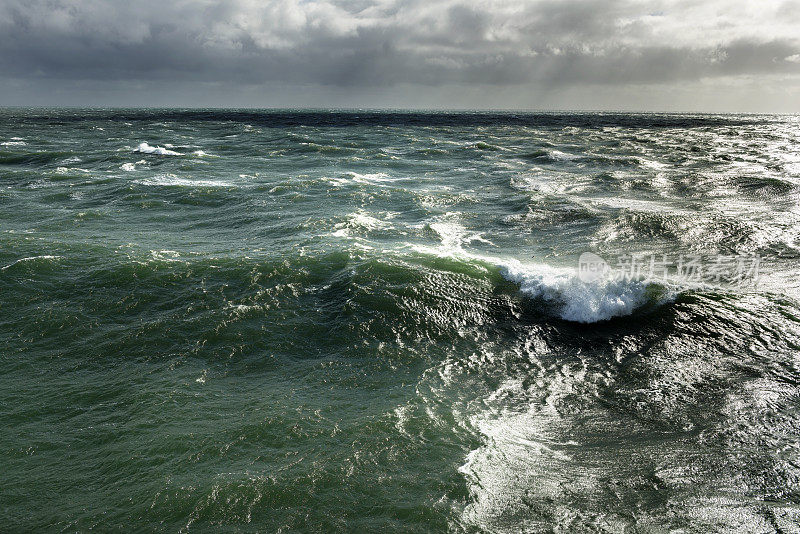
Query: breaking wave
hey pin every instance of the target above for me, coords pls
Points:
(145, 148)
(584, 302)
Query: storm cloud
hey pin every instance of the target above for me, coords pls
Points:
(382, 44)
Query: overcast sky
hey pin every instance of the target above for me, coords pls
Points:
(718, 55)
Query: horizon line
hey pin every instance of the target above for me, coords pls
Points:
(393, 109)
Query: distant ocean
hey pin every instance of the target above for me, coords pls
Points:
(357, 321)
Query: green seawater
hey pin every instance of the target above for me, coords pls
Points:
(356, 321)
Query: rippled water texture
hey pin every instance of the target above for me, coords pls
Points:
(362, 321)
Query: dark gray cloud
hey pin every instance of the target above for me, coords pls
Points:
(386, 43)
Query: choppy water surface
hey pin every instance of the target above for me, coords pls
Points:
(357, 321)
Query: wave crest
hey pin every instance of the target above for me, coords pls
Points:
(579, 301)
(145, 148)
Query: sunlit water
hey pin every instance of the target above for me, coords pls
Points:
(357, 321)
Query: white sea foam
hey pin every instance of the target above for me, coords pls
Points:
(128, 167)
(165, 255)
(453, 235)
(363, 220)
(144, 148)
(562, 156)
(652, 164)
(360, 221)
(573, 299)
(68, 170)
(542, 181)
(376, 178)
(368, 178)
(560, 289)
(173, 180)
(337, 182)
(14, 143)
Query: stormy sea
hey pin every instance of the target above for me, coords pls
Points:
(391, 321)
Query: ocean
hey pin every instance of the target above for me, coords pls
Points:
(392, 321)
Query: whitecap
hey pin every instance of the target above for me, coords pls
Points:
(561, 290)
(144, 148)
(68, 170)
(376, 178)
(368, 178)
(360, 220)
(575, 300)
(336, 182)
(453, 235)
(176, 181)
(363, 220)
(652, 164)
(562, 156)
